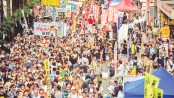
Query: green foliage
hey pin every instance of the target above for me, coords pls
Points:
(9, 21)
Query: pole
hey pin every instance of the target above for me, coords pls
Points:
(26, 25)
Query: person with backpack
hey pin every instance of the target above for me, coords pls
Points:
(133, 49)
(135, 64)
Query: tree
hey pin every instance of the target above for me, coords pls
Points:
(9, 21)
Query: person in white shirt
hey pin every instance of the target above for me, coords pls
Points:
(36, 94)
(58, 93)
(170, 64)
(73, 93)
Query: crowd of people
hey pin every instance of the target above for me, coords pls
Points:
(81, 64)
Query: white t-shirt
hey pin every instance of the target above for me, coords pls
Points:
(121, 69)
(73, 96)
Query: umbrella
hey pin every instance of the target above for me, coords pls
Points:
(125, 5)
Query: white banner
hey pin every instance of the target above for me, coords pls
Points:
(123, 33)
(53, 11)
(68, 11)
(49, 29)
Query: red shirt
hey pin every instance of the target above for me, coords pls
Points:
(90, 21)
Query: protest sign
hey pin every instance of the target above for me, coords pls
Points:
(165, 32)
(44, 29)
(150, 82)
(51, 2)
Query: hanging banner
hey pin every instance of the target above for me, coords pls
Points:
(68, 11)
(91, 6)
(115, 53)
(110, 14)
(96, 12)
(165, 32)
(120, 19)
(44, 29)
(51, 2)
(55, 12)
(60, 29)
(115, 15)
(104, 16)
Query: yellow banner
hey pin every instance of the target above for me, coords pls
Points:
(47, 69)
(158, 93)
(165, 32)
(82, 0)
(149, 92)
(152, 92)
(151, 80)
(51, 2)
(75, 25)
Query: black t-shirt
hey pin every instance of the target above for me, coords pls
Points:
(89, 58)
(116, 90)
(124, 51)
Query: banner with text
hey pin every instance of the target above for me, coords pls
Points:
(44, 29)
(51, 2)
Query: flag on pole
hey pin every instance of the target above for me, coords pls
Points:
(115, 53)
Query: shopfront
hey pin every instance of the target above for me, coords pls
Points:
(166, 11)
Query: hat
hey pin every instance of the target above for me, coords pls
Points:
(60, 78)
(73, 88)
(59, 64)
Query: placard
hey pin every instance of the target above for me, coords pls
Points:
(165, 32)
(44, 29)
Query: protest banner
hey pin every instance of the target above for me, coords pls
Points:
(165, 32)
(51, 2)
(115, 15)
(104, 16)
(96, 9)
(43, 29)
(149, 92)
(68, 11)
(150, 82)
(60, 29)
(47, 70)
(115, 53)
(158, 93)
(55, 12)
(120, 19)
(110, 14)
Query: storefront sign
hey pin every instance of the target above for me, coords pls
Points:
(166, 8)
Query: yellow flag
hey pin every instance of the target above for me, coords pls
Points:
(51, 2)
(74, 24)
(149, 92)
(151, 80)
(158, 93)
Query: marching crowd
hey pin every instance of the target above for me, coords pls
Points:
(81, 63)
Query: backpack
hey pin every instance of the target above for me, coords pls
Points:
(135, 63)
